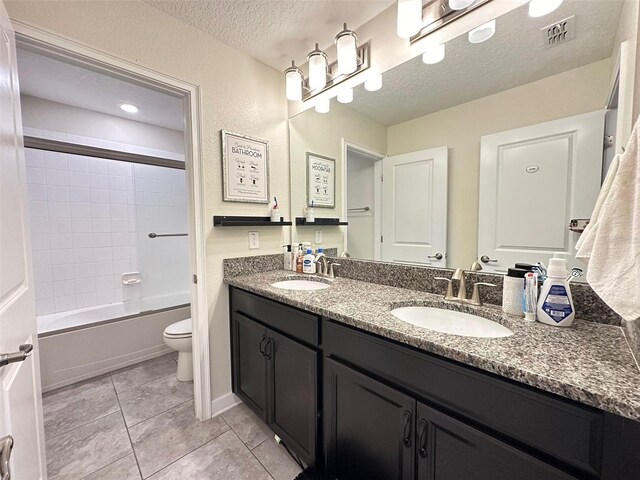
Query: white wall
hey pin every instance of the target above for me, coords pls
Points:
(151, 140)
(238, 93)
(581, 90)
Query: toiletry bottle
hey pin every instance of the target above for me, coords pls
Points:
(299, 260)
(513, 291)
(530, 296)
(555, 306)
(309, 265)
(288, 258)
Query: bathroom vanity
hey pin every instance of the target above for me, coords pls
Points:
(359, 394)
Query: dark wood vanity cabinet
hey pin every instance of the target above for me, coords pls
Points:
(393, 412)
(274, 372)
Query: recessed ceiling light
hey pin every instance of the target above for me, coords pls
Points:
(433, 54)
(129, 108)
(540, 8)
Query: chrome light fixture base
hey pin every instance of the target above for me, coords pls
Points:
(334, 78)
(437, 13)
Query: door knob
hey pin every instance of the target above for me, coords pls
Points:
(19, 356)
(486, 259)
(437, 256)
(6, 445)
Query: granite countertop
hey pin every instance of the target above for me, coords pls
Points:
(588, 362)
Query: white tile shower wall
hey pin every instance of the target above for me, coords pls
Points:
(85, 231)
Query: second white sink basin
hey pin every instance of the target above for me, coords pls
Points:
(307, 285)
(449, 321)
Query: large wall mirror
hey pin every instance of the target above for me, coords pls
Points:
(488, 154)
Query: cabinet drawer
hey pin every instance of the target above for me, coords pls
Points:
(295, 323)
(555, 427)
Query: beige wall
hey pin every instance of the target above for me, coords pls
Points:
(238, 93)
(581, 90)
(323, 134)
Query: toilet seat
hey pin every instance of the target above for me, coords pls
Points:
(181, 329)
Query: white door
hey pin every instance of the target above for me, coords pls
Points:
(414, 212)
(20, 402)
(533, 181)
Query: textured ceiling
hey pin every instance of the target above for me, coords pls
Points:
(514, 56)
(273, 31)
(61, 82)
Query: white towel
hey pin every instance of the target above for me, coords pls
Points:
(611, 242)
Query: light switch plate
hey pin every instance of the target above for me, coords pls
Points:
(254, 240)
(318, 236)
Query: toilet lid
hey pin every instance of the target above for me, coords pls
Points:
(182, 328)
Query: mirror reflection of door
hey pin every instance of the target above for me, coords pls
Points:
(533, 181)
(414, 212)
(363, 174)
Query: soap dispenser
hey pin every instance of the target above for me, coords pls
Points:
(555, 304)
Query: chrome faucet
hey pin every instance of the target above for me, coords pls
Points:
(324, 268)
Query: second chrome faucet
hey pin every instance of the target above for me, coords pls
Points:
(459, 275)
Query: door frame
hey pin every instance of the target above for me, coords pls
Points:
(88, 57)
(377, 158)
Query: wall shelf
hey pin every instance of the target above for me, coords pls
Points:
(320, 222)
(242, 221)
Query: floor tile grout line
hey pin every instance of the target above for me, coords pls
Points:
(142, 384)
(80, 426)
(159, 413)
(262, 464)
(133, 450)
(197, 448)
(105, 466)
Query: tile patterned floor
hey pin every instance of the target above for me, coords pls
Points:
(138, 423)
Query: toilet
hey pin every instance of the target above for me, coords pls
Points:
(178, 336)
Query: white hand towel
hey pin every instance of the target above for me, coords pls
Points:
(611, 242)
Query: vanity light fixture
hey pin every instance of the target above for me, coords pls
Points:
(540, 8)
(374, 82)
(347, 48)
(460, 4)
(345, 95)
(318, 68)
(323, 106)
(409, 19)
(483, 32)
(129, 108)
(433, 54)
(294, 82)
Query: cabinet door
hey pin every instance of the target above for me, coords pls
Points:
(293, 404)
(451, 450)
(368, 427)
(250, 363)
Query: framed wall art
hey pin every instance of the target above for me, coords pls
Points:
(245, 168)
(321, 181)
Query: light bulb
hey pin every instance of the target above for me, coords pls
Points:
(409, 17)
(293, 82)
(540, 8)
(129, 108)
(433, 54)
(347, 49)
(317, 69)
(345, 95)
(483, 32)
(374, 82)
(460, 4)
(323, 106)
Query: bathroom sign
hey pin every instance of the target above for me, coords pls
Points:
(321, 181)
(245, 168)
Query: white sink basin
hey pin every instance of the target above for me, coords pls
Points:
(307, 285)
(449, 321)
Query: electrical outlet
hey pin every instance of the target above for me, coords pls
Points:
(254, 240)
(318, 236)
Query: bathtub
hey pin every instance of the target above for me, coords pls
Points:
(87, 342)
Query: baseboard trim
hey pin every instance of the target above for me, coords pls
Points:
(222, 404)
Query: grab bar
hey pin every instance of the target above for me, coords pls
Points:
(359, 209)
(154, 235)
